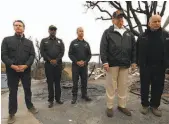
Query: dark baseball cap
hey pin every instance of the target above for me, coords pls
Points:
(52, 27)
(118, 14)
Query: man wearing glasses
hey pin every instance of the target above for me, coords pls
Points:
(52, 50)
(18, 54)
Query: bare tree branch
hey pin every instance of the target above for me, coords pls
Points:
(155, 7)
(139, 6)
(139, 9)
(166, 23)
(38, 55)
(129, 4)
(130, 23)
(92, 4)
(117, 3)
(103, 18)
(147, 11)
(163, 9)
(136, 26)
(141, 25)
(150, 8)
(115, 6)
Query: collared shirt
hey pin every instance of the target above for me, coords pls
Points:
(52, 38)
(120, 30)
(80, 40)
(52, 48)
(79, 50)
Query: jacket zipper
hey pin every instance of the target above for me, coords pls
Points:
(121, 41)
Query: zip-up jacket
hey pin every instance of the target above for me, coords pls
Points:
(17, 50)
(79, 50)
(52, 49)
(143, 48)
(117, 49)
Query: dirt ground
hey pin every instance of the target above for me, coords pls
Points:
(92, 112)
(86, 112)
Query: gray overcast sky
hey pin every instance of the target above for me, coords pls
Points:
(66, 15)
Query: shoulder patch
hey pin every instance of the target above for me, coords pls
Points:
(59, 41)
(128, 34)
(167, 38)
(75, 44)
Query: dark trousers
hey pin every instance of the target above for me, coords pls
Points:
(154, 75)
(13, 81)
(53, 75)
(82, 72)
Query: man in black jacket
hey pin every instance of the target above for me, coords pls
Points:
(153, 59)
(18, 54)
(80, 54)
(117, 50)
(52, 50)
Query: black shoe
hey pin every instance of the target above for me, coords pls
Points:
(74, 99)
(50, 105)
(59, 102)
(86, 98)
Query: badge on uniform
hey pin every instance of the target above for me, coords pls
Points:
(75, 44)
(128, 34)
(46, 42)
(167, 38)
(58, 41)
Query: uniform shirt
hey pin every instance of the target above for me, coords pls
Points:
(52, 48)
(79, 50)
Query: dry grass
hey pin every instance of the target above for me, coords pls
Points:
(69, 71)
(3, 69)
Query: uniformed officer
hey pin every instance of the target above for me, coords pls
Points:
(52, 50)
(18, 54)
(80, 54)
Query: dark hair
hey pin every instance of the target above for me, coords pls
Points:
(19, 21)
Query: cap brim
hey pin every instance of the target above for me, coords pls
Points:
(52, 28)
(120, 15)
